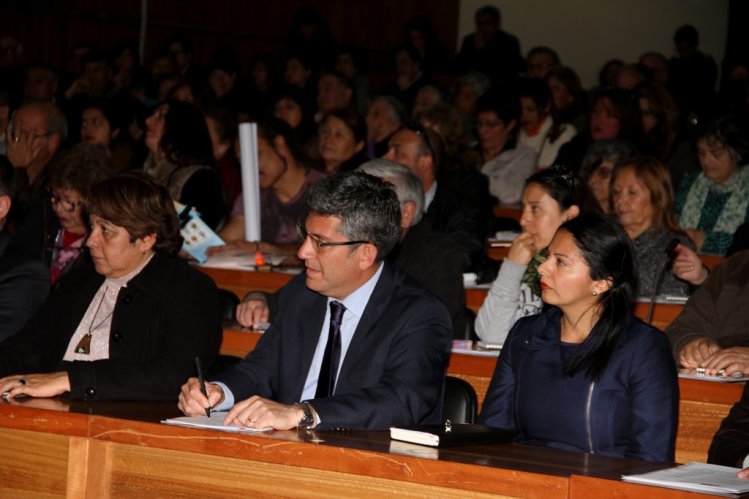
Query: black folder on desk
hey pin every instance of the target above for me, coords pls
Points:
(451, 435)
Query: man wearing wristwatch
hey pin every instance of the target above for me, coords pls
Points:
(356, 343)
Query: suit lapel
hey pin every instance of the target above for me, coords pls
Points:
(376, 306)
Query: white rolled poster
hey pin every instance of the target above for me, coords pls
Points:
(250, 180)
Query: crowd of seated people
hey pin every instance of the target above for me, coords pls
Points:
(651, 155)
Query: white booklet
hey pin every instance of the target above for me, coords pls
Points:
(215, 422)
(697, 477)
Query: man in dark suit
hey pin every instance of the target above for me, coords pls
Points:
(24, 280)
(433, 259)
(420, 150)
(350, 313)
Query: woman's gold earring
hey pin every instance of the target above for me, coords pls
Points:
(595, 293)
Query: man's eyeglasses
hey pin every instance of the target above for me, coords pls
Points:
(69, 206)
(317, 244)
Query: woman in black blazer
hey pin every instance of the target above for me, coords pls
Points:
(128, 325)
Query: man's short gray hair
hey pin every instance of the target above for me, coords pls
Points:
(407, 185)
(366, 205)
(479, 81)
(396, 110)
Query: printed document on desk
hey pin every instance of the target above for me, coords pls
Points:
(215, 422)
(696, 477)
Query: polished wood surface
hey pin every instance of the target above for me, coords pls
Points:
(497, 250)
(513, 211)
(241, 282)
(586, 486)
(123, 452)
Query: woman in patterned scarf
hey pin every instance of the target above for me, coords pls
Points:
(711, 204)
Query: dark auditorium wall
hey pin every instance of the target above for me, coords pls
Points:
(48, 27)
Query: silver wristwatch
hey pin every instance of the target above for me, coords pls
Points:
(308, 421)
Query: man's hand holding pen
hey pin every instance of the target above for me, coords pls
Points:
(192, 401)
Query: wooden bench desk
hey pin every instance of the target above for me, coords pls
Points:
(55, 448)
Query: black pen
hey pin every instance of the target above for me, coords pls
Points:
(201, 380)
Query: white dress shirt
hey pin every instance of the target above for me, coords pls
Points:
(355, 304)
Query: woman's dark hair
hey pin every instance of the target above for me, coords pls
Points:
(272, 128)
(358, 56)
(126, 44)
(606, 248)
(271, 66)
(571, 81)
(569, 78)
(352, 120)
(306, 127)
(410, 51)
(303, 57)
(505, 103)
(111, 111)
(565, 188)
(226, 125)
(603, 73)
(137, 203)
(538, 90)
(186, 140)
(491, 12)
(666, 112)
(459, 154)
(625, 107)
(729, 132)
(78, 168)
